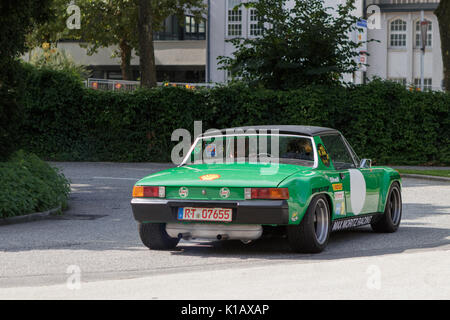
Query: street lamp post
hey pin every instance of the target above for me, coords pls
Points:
(423, 44)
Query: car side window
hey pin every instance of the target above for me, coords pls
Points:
(338, 152)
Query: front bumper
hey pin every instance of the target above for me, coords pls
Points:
(244, 211)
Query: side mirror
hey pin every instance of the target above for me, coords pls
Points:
(365, 163)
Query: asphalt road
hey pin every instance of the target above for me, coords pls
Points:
(96, 242)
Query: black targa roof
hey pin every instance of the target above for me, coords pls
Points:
(301, 130)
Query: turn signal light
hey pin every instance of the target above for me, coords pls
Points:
(270, 193)
(149, 192)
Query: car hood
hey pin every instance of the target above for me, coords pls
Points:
(231, 175)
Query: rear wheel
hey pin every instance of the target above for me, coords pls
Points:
(154, 236)
(390, 220)
(313, 232)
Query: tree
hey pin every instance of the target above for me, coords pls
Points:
(127, 24)
(104, 23)
(108, 23)
(443, 14)
(18, 18)
(151, 16)
(298, 45)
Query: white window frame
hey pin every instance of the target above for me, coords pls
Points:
(401, 35)
(238, 14)
(427, 83)
(254, 24)
(399, 80)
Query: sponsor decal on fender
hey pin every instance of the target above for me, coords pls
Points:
(339, 195)
(209, 177)
(337, 187)
(340, 208)
(350, 223)
(334, 180)
(294, 216)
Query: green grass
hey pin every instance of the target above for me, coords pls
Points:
(439, 173)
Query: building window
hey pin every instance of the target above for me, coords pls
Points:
(398, 33)
(201, 27)
(429, 34)
(401, 81)
(427, 83)
(194, 30)
(255, 25)
(168, 30)
(189, 24)
(234, 19)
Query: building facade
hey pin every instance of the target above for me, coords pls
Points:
(180, 53)
(395, 24)
(397, 54)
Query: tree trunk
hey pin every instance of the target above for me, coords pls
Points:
(125, 59)
(443, 14)
(146, 49)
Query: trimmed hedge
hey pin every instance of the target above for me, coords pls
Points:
(383, 121)
(30, 185)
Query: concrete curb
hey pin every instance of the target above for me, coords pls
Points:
(424, 177)
(29, 217)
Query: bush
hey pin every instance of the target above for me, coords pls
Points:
(30, 185)
(382, 120)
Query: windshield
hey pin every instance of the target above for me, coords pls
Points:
(253, 148)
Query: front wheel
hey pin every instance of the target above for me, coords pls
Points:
(154, 236)
(390, 220)
(313, 232)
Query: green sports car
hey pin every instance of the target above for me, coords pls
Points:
(236, 183)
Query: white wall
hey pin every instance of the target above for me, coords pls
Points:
(218, 34)
(167, 53)
(384, 62)
(387, 62)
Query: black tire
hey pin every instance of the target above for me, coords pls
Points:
(304, 237)
(390, 220)
(155, 237)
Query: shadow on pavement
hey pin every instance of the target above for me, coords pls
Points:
(360, 242)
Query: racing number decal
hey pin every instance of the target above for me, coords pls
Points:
(323, 155)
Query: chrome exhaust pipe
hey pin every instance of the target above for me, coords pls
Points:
(222, 237)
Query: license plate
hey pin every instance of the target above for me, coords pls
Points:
(205, 214)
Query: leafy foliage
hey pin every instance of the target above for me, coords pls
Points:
(17, 19)
(58, 59)
(299, 45)
(106, 23)
(382, 120)
(443, 14)
(30, 185)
